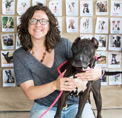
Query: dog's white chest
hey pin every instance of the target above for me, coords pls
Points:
(81, 85)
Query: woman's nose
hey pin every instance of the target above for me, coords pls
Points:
(38, 23)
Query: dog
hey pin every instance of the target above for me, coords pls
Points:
(10, 78)
(102, 6)
(117, 42)
(71, 7)
(55, 7)
(7, 58)
(23, 4)
(86, 8)
(101, 25)
(114, 61)
(83, 56)
(8, 5)
(116, 6)
(7, 40)
(86, 24)
(71, 24)
(102, 42)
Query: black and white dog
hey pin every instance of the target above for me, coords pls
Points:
(83, 56)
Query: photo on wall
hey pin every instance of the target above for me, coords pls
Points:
(116, 8)
(102, 25)
(7, 58)
(8, 78)
(56, 7)
(18, 45)
(114, 60)
(59, 23)
(7, 41)
(115, 79)
(102, 62)
(22, 6)
(86, 25)
(86, 8)
(72, 24)
(102, 39)
(7, 24)
(18, 20)
(104, 78)
(115, 42)
(8, 7)
(102, 7)
(72, 7)
(116, 25)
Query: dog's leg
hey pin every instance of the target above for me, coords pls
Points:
(83, 97)
(97, 97)
(61, 103)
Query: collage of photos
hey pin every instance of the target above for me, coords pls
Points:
(79, 18)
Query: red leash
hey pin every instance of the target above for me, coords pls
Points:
(59, 93)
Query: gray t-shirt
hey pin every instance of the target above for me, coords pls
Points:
(27, 67)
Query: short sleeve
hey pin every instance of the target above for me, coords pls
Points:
(22, 73)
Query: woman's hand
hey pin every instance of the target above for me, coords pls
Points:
(65, 83)
(93, 74)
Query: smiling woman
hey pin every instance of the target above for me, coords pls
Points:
(36, 63)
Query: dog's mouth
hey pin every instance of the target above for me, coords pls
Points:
(81, 65)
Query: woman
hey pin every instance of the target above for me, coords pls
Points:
(36, 63)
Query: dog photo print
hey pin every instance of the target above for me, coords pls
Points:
(7, 24)
(116, 25)
(101, 25)
(59, 23)
(72, 7)
(86, 8)
(8, 78)
(56, 7)
(104, 78)
(114, 60)
(22, 6)
(116, 8)
(7, 41)
(115, 79)
(86, 25)
(7, 58)
(102, 39)
(8, 7)
(115, 42)
(102, 7)
(102, 62)
(72, 24)
(18, 45)
(34, 2)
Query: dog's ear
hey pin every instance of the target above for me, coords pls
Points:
(75, 42)
(95, 42)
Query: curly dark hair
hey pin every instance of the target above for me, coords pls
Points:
(53, 35)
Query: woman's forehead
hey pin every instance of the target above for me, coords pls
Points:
(40, 14)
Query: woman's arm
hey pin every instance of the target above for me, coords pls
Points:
(35, 92)
(93, 74)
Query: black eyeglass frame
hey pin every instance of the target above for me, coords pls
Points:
(39, 21)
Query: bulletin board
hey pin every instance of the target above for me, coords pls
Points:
(76, 18)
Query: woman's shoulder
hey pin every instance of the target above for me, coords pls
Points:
(64, 41)
(19, 52)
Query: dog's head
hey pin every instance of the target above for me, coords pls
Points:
(84, 52)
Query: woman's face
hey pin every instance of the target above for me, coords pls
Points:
(36, 29)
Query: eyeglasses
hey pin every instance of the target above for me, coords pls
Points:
(33, 21)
